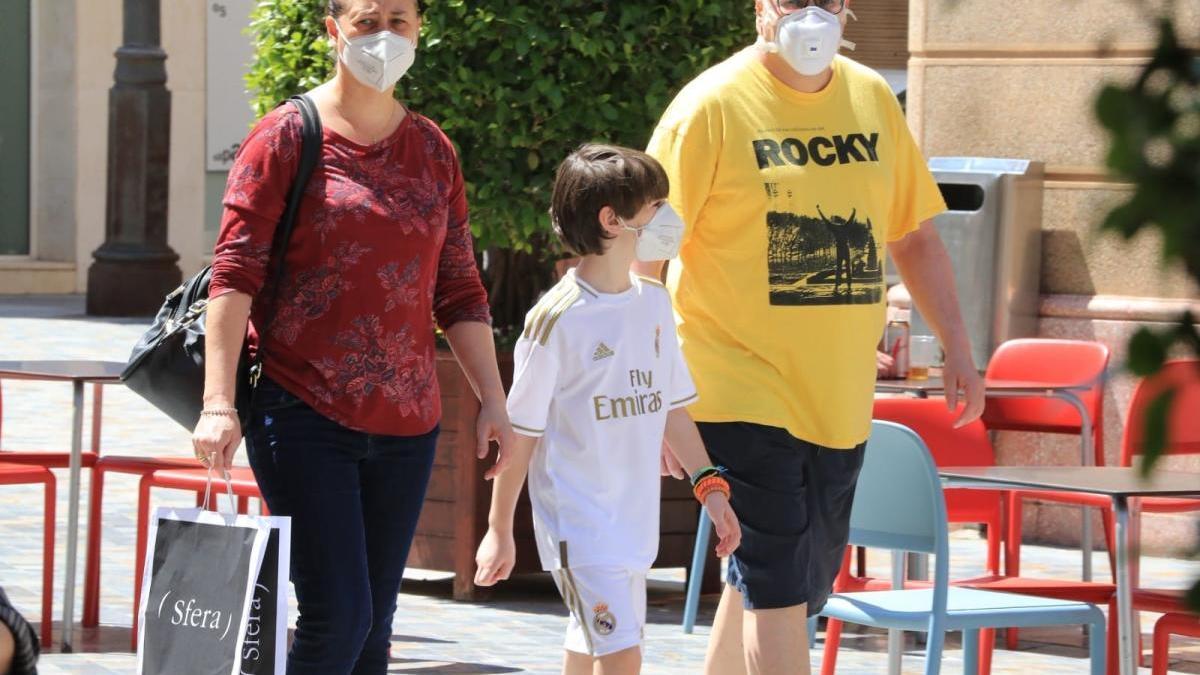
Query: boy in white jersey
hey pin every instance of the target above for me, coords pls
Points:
(599, 381)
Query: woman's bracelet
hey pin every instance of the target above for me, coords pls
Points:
(706, 472)
(709, 485)
(214, 412)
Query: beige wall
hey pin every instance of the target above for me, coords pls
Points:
(71, 141)
(1018, 79)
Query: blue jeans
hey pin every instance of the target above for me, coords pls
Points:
(354, 499)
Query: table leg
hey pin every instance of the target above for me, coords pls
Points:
(1085, 459)
(1126, 640)
(73, 516)
(895, 640)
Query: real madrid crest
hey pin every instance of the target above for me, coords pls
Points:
(604, 622)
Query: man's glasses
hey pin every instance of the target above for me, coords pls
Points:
(831, 6)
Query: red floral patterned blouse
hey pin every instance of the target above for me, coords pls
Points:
(381, 248)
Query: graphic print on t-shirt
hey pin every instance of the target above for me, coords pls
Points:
(822, 257)
(818, 256)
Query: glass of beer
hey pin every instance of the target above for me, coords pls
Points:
(922, 355)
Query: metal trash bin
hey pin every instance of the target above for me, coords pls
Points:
(992, 231)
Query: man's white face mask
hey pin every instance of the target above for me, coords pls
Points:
(807, 39)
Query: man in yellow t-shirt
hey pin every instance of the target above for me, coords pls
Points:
(794, 172)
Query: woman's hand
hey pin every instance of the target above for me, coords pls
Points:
(496, 557)
(493, 425)
(216, 439)
(729, 532)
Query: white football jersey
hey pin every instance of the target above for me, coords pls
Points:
(594, 376)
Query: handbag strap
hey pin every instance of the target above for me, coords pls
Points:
(310, 154)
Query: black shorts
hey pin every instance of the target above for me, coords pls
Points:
(793, 500)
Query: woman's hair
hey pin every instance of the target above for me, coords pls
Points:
(335, 8)
(595, 176)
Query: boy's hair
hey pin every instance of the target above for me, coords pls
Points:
(595, 176)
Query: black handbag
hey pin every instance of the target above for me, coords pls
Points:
(167, 364)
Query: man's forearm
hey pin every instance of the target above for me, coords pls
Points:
(928, 275)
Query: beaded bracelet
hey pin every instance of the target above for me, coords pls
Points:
(706, 472)
(209, 412)
(710, 485)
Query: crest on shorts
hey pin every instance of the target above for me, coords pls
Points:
(604, 622)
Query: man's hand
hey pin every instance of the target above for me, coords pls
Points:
(885, 365)
(495, 558)
(493, 425)
(669, 464)
(959, 374)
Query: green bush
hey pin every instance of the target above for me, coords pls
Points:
(516, 85)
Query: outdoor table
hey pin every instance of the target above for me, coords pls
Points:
(997, 388)
(1121, 484)
(78, 373)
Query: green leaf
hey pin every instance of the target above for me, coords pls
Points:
(1146, 353)
(1154, 436)
(517, 86)
(1192, 598)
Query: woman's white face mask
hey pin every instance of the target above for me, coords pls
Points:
(378, 60)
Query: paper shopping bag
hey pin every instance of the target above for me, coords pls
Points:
(200, 574)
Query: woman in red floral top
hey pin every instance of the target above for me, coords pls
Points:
(342, 434)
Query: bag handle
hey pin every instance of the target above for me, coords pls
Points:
(228, 478)
(310, 154)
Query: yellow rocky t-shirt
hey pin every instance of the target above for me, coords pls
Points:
(789, 200)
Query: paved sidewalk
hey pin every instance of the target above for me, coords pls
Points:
(518, 628)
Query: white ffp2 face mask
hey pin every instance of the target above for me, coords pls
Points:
(378, 60)
(660, 238)
(809, 39)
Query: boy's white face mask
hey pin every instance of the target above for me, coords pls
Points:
(660, 238)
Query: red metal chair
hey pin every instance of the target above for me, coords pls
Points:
(24, 474)
(244, 487)
(1174, 623)
(1183, 434)
(91, 459)
(1166, 601)
(966, 446)
(1053, 362)
(127, 464)
(954, 447)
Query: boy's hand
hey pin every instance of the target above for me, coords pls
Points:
(729, 532)
(495, 559)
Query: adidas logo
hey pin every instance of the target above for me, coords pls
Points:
(603, 351)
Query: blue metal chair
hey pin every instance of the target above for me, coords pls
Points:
(899, 506)
(692, 603)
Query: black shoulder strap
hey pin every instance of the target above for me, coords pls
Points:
(310, 155)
